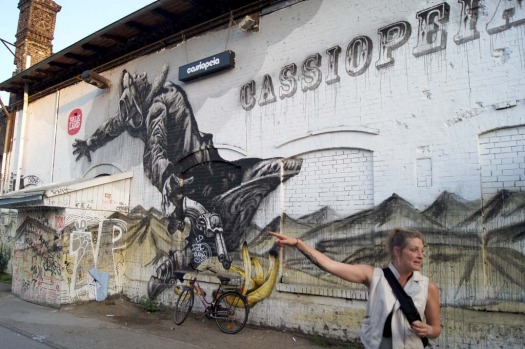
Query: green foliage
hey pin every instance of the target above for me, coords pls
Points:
(5, 255)
(149, 305)
(5, 278)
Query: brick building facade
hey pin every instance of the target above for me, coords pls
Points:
(337, 121)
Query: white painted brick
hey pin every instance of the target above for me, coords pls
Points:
(506, 145)
(493, 185)
(502, 140)
(505, 155)
(506, 178)
(506, 161)
(506, 132)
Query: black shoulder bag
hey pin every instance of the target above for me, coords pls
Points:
(407, 304)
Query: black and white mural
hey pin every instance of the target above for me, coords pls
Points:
(208, 205)
(207, 199)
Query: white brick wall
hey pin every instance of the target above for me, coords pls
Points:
(502, 158)
(341, 179)
(424, 172)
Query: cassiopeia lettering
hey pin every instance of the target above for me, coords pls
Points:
(203, 65)
(431, 38)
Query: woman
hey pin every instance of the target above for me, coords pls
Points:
(385, 326)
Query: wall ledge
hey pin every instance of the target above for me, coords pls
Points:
(325, 291)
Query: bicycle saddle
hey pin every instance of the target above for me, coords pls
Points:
(223, 279)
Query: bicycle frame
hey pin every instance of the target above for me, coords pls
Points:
(209, 308)
(227, 306)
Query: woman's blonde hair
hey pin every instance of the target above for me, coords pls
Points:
(398, 237)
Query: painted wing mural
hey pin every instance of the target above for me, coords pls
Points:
(207, 202)
(472, 269)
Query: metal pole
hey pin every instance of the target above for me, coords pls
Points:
(4, 175)
(21, 143)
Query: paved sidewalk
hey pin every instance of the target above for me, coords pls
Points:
(118, 323)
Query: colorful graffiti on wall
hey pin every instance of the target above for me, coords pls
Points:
(98, 245)
(53, 259)
(37, 267)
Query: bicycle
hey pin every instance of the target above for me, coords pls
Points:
(228, 307)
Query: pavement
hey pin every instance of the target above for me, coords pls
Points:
(119, 323)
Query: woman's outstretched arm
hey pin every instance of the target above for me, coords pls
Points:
(359, 273)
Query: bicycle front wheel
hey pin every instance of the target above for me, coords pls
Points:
(183, 305)
(231, 312)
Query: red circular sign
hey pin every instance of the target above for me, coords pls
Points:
(74, 122)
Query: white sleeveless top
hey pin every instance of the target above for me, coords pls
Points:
(381, 301)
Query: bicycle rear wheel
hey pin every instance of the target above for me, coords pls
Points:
(231, 312)
(183, 305)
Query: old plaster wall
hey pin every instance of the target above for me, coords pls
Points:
(36, 258)
(340, 121)
(55, 250)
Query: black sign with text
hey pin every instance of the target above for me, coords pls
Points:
(207, 66)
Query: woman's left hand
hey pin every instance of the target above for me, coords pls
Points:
(421, 329)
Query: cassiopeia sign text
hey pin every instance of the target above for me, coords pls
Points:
(207, 66)
(432, 37)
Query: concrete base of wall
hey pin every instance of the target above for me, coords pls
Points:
(340, 319)
(327, 317)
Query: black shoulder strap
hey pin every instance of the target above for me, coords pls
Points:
(407, 304)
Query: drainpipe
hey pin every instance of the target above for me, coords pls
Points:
(22, 129)
(4, 175)
(57, 103)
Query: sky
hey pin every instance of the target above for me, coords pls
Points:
(76, 20)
